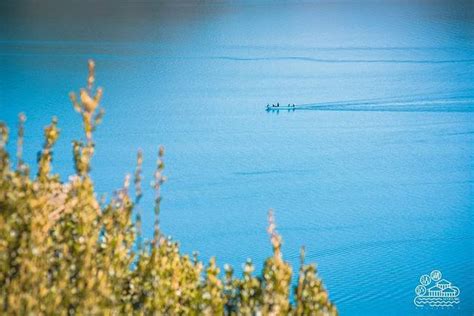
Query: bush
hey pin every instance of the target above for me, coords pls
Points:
(62, 251)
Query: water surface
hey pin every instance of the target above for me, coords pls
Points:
(374, 176)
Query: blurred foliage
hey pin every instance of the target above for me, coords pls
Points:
(64, 252)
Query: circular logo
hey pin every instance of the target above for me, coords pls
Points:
(425, 279)
(420, 290)
(436, 275)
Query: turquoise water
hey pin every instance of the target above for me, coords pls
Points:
(374, 176)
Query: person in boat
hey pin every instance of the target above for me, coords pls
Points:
(268, 105)
(293, 105)
(278, 104)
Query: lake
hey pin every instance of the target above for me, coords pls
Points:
(374, 176)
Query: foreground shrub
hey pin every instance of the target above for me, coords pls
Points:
(64, 252)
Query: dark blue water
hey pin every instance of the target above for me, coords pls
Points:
(374, 176)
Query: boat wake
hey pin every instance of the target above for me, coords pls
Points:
(440, 104)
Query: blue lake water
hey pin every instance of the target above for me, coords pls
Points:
(375, 176)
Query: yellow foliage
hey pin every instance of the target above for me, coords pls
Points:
(63, 252)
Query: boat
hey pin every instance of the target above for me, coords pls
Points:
(278, 108)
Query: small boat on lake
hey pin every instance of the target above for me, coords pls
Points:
(280, 107)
